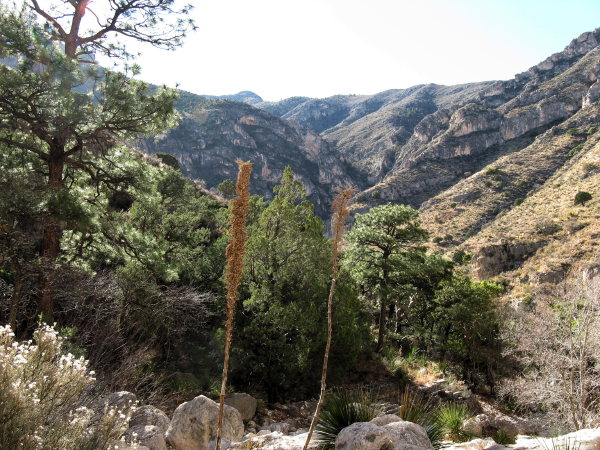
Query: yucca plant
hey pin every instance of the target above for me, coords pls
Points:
(416, 408)
(451, 418)
(341, 409)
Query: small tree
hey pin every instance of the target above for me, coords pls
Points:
(581, 197)
(227, 188)
(384, 244)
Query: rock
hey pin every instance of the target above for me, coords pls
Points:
(385, 419)
(472, 426)
(586, 439)
(363, 436)
(225, 444)
(592, 94)
(275, 441)
(244, 403)
(477, 444)
(408, 436)
(147, 435)
(122, 401)
(281, 427)
(150, 415)
(194, 424)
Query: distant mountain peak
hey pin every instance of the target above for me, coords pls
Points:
(248, 97)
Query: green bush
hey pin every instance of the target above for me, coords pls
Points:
(581, 197)
(168, 159)
(521, 183)
(437, 239)
(575, 150)
(461, 257)
(517, 201)
(42, 397)
(341, 409)
(493, 171)
(416, 408)
(450, 418)
(592, 130)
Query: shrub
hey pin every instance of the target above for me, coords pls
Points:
(414, 407)
(168, 160)
(470, 232)
(461, 257)
(575, 150)
(342, 409)
(581, 197)
(450, 418)
(42, 397)
(592, 130)
(438, 239)
(517, 201)
(521, 183)
(492, 171)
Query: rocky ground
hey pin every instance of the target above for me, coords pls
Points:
(248, 424)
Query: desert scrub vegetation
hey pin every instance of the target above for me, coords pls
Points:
(558, 358)
(43, 393)
(341, 409)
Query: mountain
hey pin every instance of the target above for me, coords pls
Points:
(244, 96)
(214, 133)
(493, 166)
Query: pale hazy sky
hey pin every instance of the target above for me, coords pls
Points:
(319, 48)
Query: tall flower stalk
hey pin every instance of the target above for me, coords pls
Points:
(338, 219)
(234, 268)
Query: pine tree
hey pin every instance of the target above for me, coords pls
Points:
(59, 106)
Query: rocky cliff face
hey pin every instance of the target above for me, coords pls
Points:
(214, 133)
(472, 131)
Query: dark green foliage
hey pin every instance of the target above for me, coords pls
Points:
(461, 257)
(592, 130)
(448, 328)
(517, 201)
(450, 419)
(168, 159)
(437, 239)
(416, 408)
(281, 328)
(521, 183)
(575, 150)
(493, 171)
(581, 197)
(384, 253)
(341, 409)
(227, 188)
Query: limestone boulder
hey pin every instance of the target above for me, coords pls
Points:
(194, 424)
(244, 403)
(150, 415)
(148, 436)
(363, 436)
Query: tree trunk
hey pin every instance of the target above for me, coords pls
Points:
(382, 310)
(51, 240)
(16, 297)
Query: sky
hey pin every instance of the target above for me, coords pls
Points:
(320, 48)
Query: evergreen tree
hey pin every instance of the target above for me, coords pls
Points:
(69, 113)
(384, 249)
(282, 329)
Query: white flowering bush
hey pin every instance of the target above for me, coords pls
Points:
(42, 397)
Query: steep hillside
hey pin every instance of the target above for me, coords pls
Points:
(458, 140)
(367, 130)
(214, 133)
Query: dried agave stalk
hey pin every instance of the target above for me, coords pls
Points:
(234, 269)
(338, 219)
